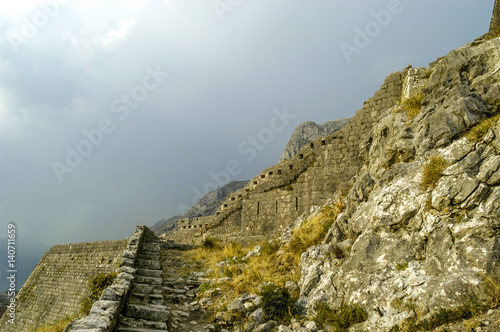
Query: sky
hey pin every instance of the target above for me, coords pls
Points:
(120, 113)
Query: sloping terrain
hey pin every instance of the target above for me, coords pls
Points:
(423, 215)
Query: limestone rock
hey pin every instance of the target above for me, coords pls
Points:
(408, 242)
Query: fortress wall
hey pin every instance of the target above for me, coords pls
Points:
(58, 283)
(495, 19)
(282, 192)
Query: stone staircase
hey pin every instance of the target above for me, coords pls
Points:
(163, 296)
(145, 310)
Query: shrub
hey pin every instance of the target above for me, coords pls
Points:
(269, 247)
(433, 171)
(342, 318)
(97, 284)
(210, 243)
(277, 303)
(401, 266)
(478, 131)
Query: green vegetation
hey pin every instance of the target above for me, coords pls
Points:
(478, 131)
(469, 309)
(440, 318)
(401, 266)
(276, 264)
(433, 171)
(97, 284)
(57, 327)
(278, 304)
(210, 243)
(340, 318)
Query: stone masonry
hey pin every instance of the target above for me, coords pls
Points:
(58, 283)
(495, 19)
(280, 193)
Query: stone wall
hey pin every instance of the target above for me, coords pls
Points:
(104, 313)
(495, 19)
(58, 283)
(280, 193)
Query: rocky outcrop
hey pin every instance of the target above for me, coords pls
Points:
(307, 132)
(430, 245)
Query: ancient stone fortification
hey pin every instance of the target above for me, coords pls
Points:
(103, 315)
(495, 20)
(282, 192)
(58, 283)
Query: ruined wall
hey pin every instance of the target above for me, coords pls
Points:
(495, 19)
(58, 283)
(280, 193)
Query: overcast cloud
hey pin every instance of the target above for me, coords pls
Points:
(176, 90)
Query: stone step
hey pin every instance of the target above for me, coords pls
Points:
(147, 288)
(151, 246)
(148, 264)
(151, 312)
(151, 255)
(149, 273)
(138, 298)
(131, 323)
(148, 280)
(138, 329)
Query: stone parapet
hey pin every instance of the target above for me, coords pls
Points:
(104, 313)
(59, 283)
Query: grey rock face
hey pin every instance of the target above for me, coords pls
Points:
(307, 132)
(409, 242)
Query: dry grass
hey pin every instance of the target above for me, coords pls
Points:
(433, 171)
(412, 105)
(57, 327)
(275, 264)
(477, 132)
(491, 285)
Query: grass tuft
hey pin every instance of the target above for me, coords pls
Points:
(479, 131)
(210, 243)
(278, 304)
(433, 171)
(339, 318)
(97, 284)
(57, 327)
(411, 105)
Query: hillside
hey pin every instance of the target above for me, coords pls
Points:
(415, 239)
(422, 216)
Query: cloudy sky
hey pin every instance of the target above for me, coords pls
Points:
(119, 113)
